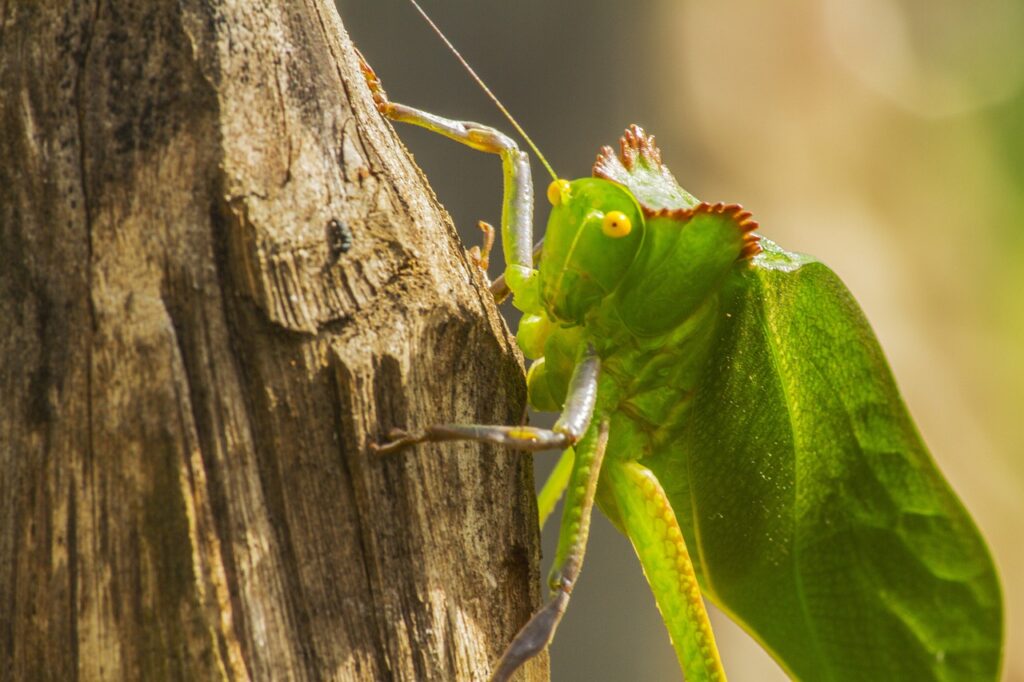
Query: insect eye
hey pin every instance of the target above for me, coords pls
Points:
(558, 191)
(616, 224)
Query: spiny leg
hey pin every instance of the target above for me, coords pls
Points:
(482, 255)
(570, 427)
(517, 205)
(653, 529)
(538, 632)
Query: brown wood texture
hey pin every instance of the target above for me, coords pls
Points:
(191, 366)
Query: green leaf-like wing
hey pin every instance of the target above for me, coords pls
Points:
(817, 518)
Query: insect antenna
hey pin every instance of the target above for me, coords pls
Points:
(484, 87)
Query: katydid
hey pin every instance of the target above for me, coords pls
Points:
(725, 403)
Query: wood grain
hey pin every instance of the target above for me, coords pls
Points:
(192, 365)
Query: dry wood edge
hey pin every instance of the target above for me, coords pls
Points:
(192, 364)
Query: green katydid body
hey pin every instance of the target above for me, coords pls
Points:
(727, 406)
(746, 381)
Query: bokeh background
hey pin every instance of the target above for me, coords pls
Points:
(885, 137)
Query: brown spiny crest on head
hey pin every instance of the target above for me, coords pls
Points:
(637, 142)
(634, 143)
(742, 218)
(638, 168)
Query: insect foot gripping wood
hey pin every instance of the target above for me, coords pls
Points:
(728, 407)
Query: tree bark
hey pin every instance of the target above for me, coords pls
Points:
(193, 362)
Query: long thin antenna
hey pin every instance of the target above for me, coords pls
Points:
(486, 89)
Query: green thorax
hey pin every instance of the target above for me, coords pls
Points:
(647, 299)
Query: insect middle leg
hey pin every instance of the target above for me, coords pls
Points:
(570, 427)
(517, 205)
(538, 632)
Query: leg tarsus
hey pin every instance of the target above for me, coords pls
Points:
(397, 439)
(533, 638)
(380, 98)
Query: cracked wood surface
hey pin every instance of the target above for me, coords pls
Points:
(192, 364)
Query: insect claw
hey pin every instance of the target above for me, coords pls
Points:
(380, 98)
(397, 440)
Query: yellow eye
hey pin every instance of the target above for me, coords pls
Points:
(558, 191)
(616, 224)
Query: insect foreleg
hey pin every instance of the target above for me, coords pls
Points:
(570, 427)
(572, 544)
(517, 206)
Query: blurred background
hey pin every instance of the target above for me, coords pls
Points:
(886, 137)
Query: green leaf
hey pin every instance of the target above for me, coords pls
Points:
(815, 515)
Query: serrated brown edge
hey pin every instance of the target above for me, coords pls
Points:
(743, 218)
